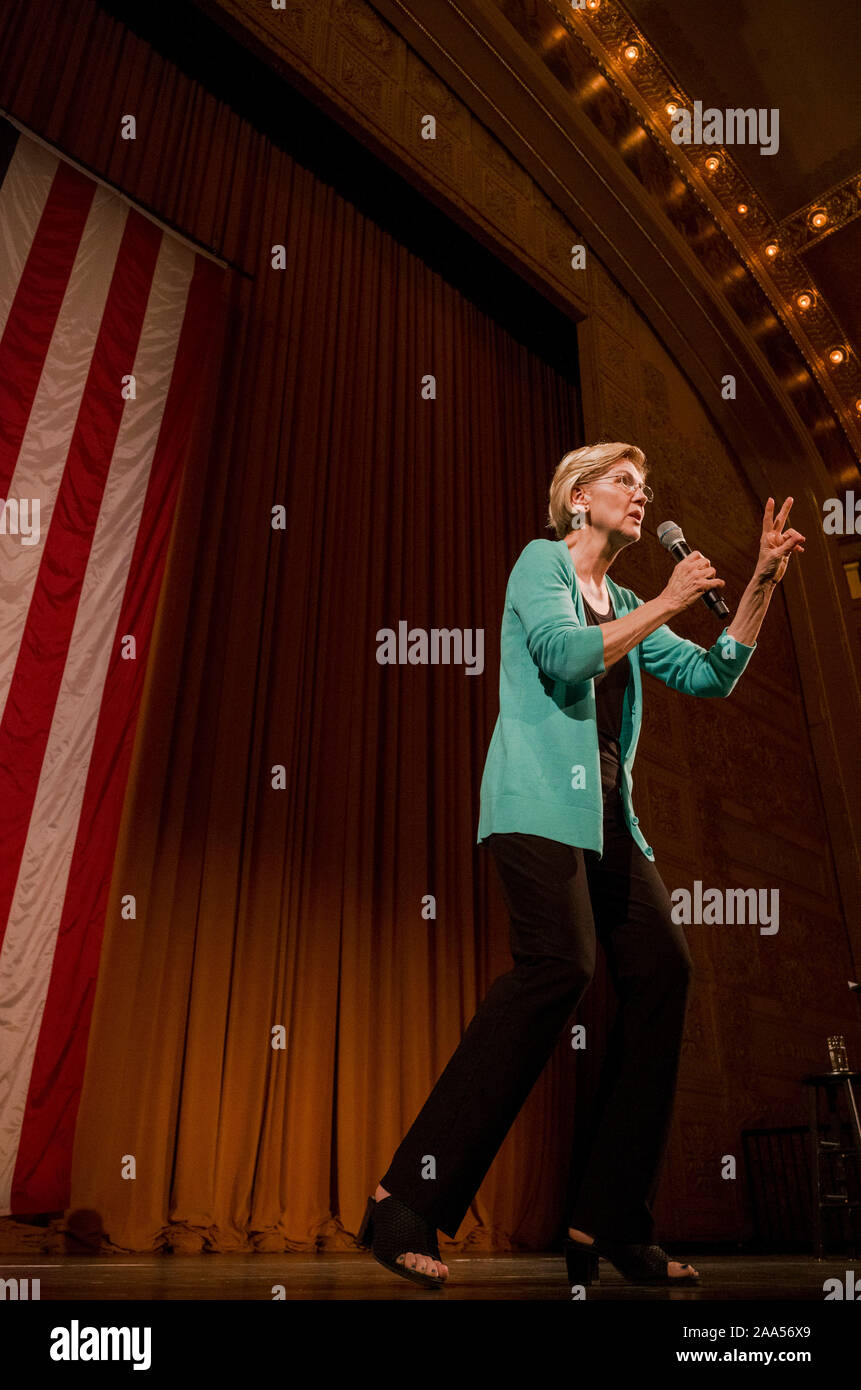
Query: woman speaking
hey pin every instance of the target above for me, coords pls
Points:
(557, 815)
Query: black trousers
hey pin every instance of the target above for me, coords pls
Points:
(560, 898)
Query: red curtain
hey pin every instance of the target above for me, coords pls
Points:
(288, 905)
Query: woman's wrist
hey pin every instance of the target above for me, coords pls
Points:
(751, 610)
(664, 607)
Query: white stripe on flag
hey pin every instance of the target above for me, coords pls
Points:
(45, 446)
(23, 195)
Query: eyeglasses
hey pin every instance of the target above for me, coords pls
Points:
(629, 483)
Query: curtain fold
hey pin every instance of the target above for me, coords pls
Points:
(289, 905)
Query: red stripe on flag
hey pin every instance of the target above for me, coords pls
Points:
(42, 1172)
(44, 646)
(33, 314)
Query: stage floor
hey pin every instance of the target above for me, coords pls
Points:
(356, 1275)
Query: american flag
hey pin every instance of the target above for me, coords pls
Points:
(105, 321)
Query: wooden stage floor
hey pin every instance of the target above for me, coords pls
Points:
(357, 1276)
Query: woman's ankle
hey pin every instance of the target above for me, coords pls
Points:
(574, 1234)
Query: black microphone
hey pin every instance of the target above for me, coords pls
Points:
(672, 539)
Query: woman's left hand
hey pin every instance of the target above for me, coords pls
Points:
(776, 545)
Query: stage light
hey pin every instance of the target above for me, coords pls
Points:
(742, 209)
(712, 163)
(858, 405)
(804, 300)
(836, 356)
(632, 53)
(672, 107)
(772, 249)
(818, 218)
(593, 4)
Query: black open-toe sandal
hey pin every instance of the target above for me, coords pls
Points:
(390, 1229)
(639, 1264)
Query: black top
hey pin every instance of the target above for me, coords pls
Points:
(609, 699)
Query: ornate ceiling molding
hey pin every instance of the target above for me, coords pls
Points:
(769, 249)
(840, 206)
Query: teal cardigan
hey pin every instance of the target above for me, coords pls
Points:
(543, 771)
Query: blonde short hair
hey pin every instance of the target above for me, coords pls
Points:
(582, 466)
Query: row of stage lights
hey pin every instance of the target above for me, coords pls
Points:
(817, 218)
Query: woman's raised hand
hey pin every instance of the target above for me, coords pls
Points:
(775, 544)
